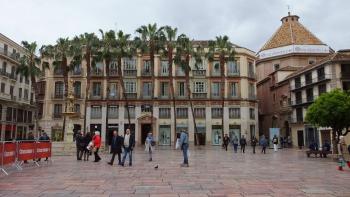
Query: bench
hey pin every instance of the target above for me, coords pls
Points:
(323, 154)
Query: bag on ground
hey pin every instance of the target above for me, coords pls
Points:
(177, 145)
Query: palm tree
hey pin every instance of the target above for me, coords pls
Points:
(223, 48)
(123, 49)
(149, 42)
(30, 68)
(184, 52)
(169, 37)
(85, 46)
(59, 53)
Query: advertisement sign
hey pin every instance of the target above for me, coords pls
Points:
(43, 149)
(26, 151)
(273, 132)
(9, 153)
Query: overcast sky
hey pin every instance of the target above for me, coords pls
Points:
(248, 23)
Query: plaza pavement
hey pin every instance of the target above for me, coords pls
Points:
(212, 172)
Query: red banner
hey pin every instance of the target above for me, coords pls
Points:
(9, 153)
(1, 150)
(43, 149)
(26, 151)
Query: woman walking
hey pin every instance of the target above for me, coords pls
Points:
(343, 156)
(97, 144)
(149, 143)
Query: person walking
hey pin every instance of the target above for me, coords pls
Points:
(97, 144)
(128, 144)
(79, 140)
(243, 143)
(87, 140)
(116, 147)
(275, 143)
(226, 141)
(184, 147)
(149, 145)
(263, 144)
(254, 141)
(342, 155)
(235, 143)
(44, 138)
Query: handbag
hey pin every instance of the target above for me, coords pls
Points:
(153, 143)
(177, 146)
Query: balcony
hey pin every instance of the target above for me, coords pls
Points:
(113, 72)
(312, 81)
(130, 72)
(251, 97)
(164, 74)
(57, 115)
(251, 75)
(199, 72)
(233, 74)
(57, 96)
(146, 73)
(6, 74)
(234, 96)
(13, 56)
(146, 96)
(57, 72)
(77, 72)
(164, 96)
(345, 75)
(113, 96)
(216, 73)
(303, 101)
(199, 95)
(216, 96)
(131, 95)
(5, 96)
(96, 97)
(180, 72)
(96, 73)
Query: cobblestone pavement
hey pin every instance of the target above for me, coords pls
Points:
(212, 172)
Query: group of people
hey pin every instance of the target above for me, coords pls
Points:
(243, 143)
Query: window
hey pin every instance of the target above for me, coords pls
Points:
(4, 65)
(25, 116)
(181, 88)
(77, 108)
(129, 63)
(233, 67)
(57, 70)
(59, 88)
(298, 97)
(164, 68)
(96, 88)
(251, 91)
(147, 89)
(30, 117)
(9, 114)
(297, 82)
(216, 112)
(299, 112)
(96, 112)
(131, 111)
(276, 66)
(26, 94)
(216, 68)
(180, 71)
(215, 89)
(11, 90)
(19, 92)
(310, 94)
(26, 81)
(40, 110)
(113, 91)
(2, 88)
(252, 130)
(322, 89)
(20, 115)
(113, 68)
(98, 69)
(234, 113)
(57, 111)
(181, 112)
(164, 113)
(321, 74)
(77, 89)
(77, 70)
(164, 89)
(234, 89)
(199, 87)
(20, 78)
(251, 70)
(113, 111)
(199, 112)
(0, 113)
(146, 67)
(308, 78)
(252, 113)
(146, 108)
(130, 86)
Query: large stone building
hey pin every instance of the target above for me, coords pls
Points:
(240, 110)
(16, 94)
(291, 47)
(306, 85)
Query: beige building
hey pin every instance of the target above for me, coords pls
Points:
(16, 94)
(240, 109)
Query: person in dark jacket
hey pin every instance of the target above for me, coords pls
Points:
(263, 144)
(326, 146)
(44, 138)
(275, 143)
(87, 140)
(243, 142)
(116, 147)
(79, 139)
(254, 142)
(226, 141)
(128, 144)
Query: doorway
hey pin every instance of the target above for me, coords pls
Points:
(300, 138)
(145, 129)
(216, 135)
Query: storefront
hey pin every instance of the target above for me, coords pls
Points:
(216, 135)
(164, 135)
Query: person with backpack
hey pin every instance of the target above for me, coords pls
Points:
(243, 143)
(275, 143)
(254, 142)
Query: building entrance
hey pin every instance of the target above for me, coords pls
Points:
(145, 129)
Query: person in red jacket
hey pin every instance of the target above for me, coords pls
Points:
(97, 144)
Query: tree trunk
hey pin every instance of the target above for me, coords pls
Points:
(65, 78)
(189, 93)
(170, 62)
(35, 89)
(88, 68)
(121, 81)
(222, 88)
(107, 61)
(153, 84)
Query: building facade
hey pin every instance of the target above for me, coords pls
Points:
(291, 47)
(144, 95)
(16, 93)
(310, 82)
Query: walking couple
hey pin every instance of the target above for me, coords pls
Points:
(118, 142)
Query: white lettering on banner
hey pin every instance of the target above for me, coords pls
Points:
(42, 150)
(293, 49)
(9, 154)
(25, 151)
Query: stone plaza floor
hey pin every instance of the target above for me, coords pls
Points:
(212, 172)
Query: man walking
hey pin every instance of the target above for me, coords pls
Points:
(226, 141)
(275, 143)
(79, 140)
(254, 141)
(235, 143)
(116, 147)
(263, 143)
(243, 142)
(184, 147)
(128, 144)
